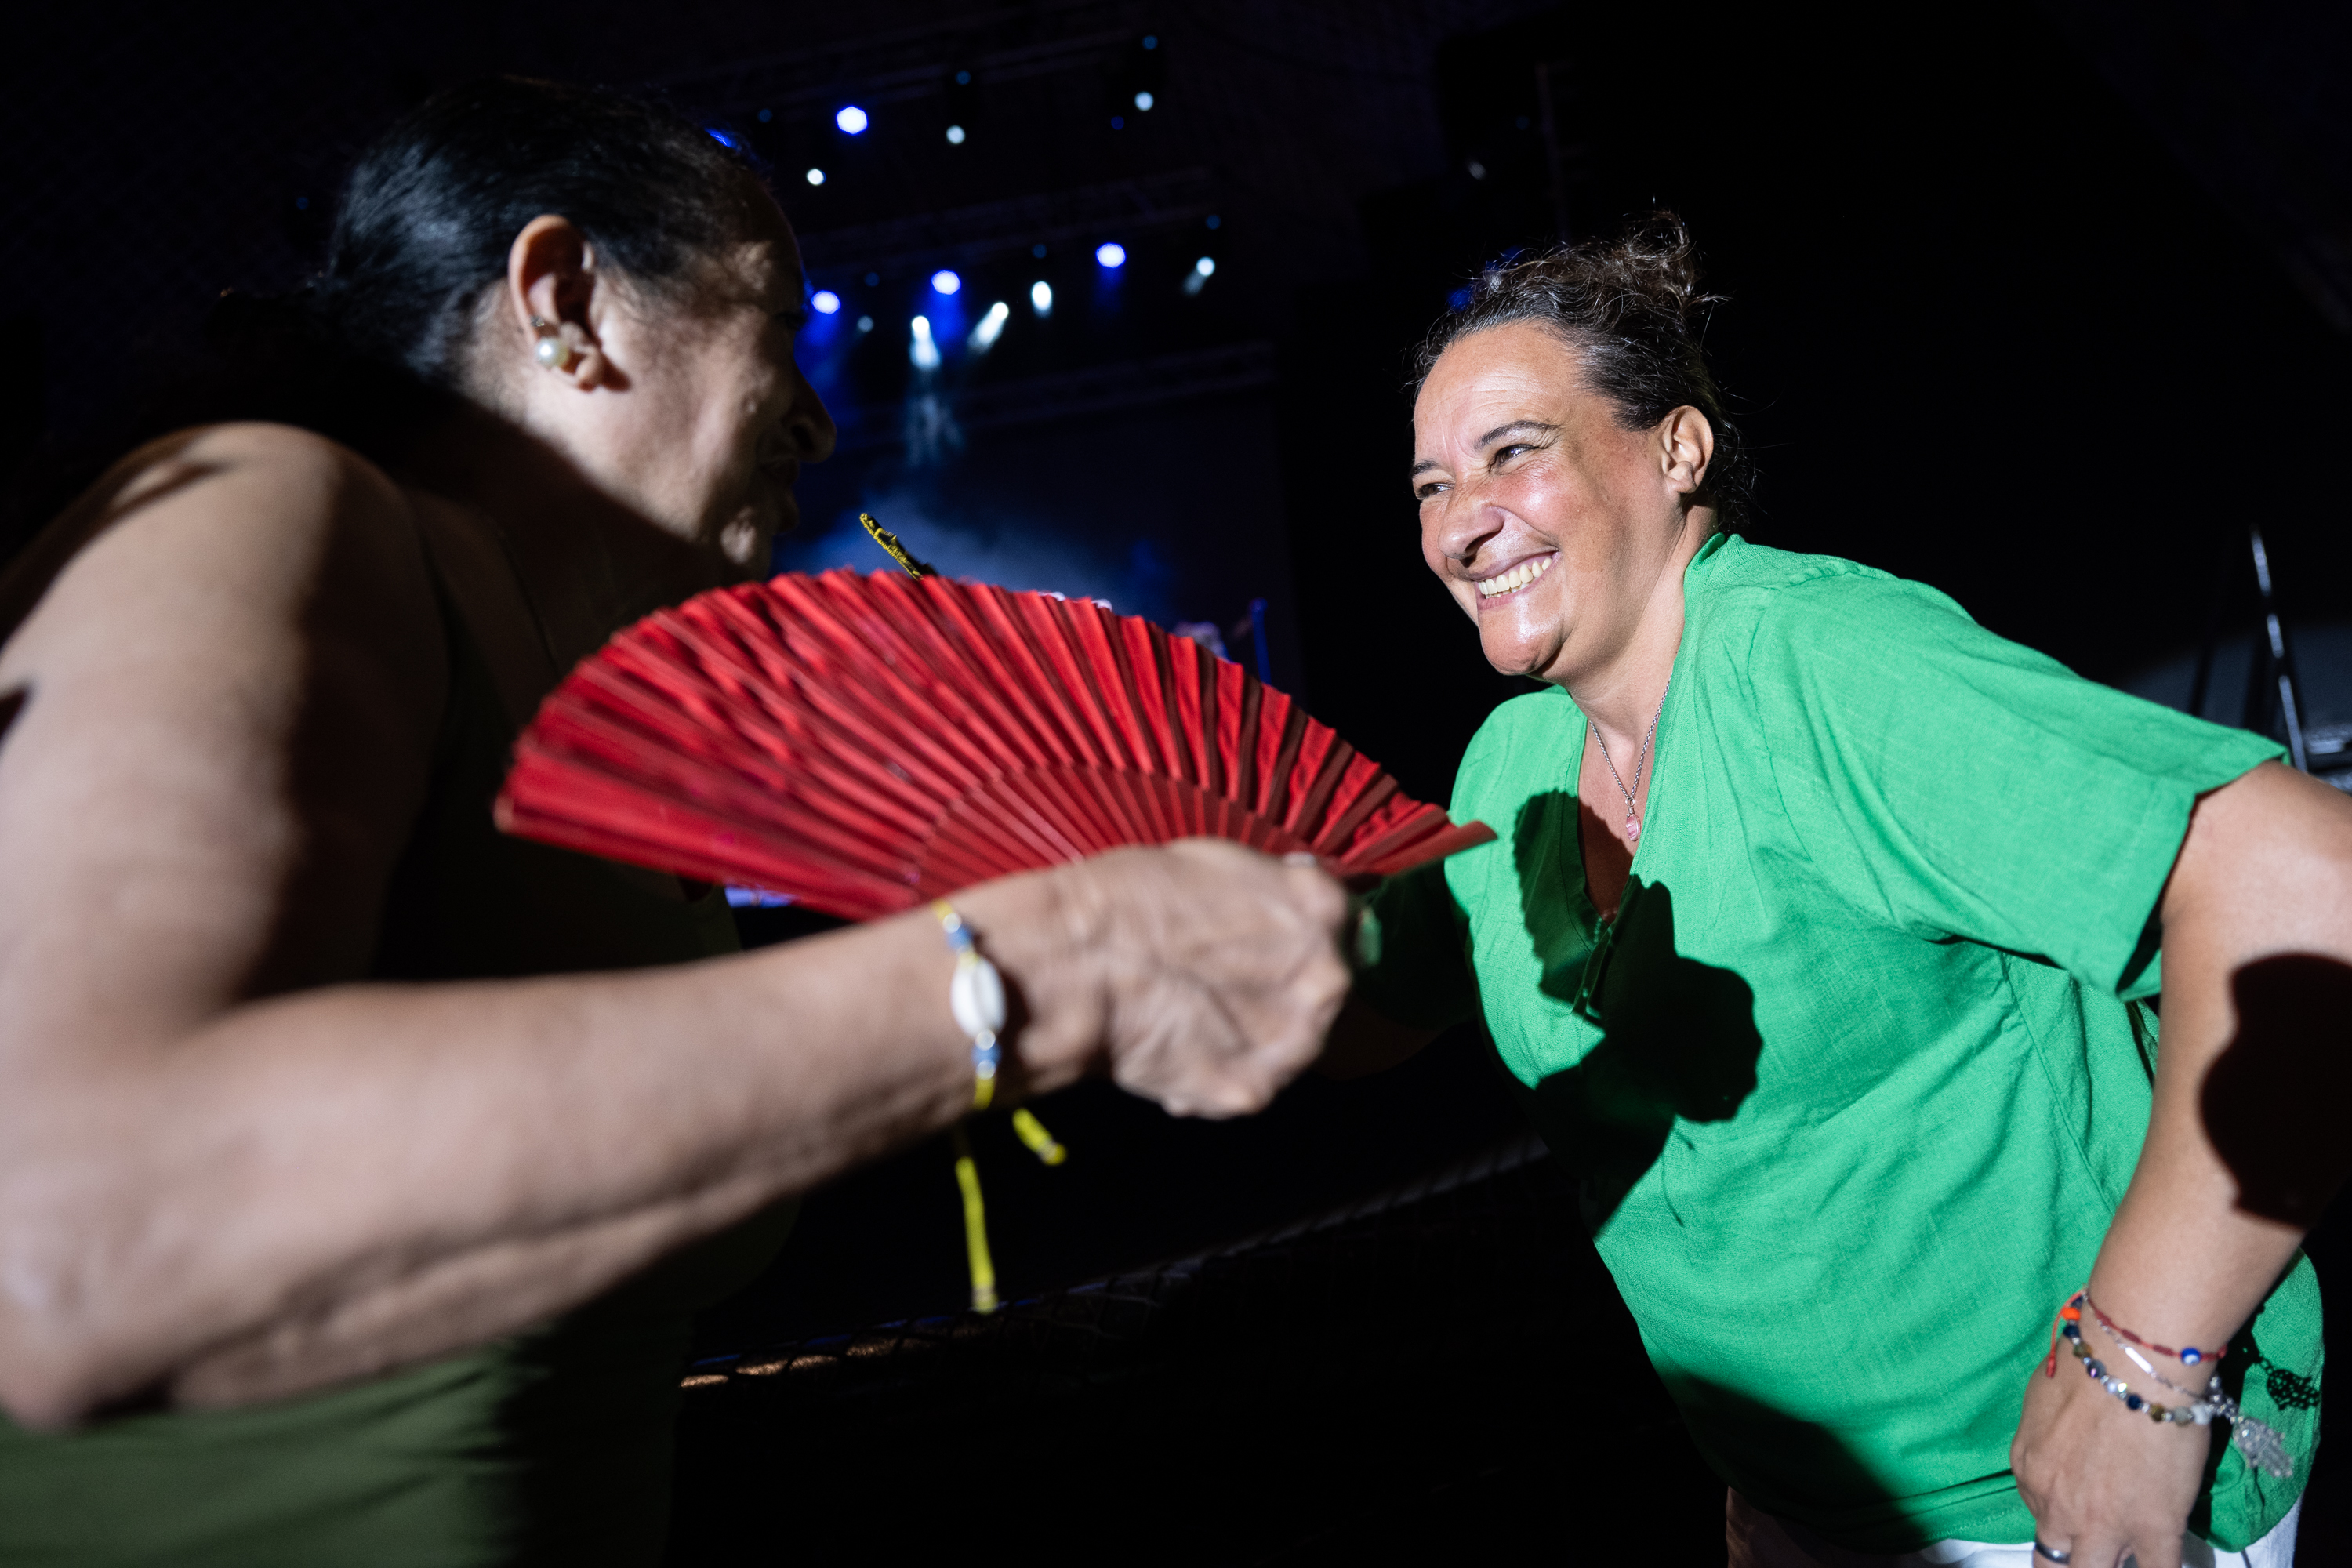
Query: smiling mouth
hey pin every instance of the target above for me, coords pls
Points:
(1515, 579)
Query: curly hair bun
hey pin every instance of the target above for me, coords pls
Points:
(1634, 311)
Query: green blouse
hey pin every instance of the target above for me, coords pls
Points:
(1852, 1085)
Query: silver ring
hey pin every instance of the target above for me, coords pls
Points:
(2052, 1552)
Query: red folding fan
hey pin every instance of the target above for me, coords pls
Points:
(863, 744)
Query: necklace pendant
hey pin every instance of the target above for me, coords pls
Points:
(1632, 828)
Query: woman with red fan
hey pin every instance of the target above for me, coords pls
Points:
(1819, 938)
(360, 1165)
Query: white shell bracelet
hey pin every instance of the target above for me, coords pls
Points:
(976, 997)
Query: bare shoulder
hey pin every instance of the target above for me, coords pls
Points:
(224, 695)
(250, 523)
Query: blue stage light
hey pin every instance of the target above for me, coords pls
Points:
(1206, 266)
(825, 301)
(920, 348)
(1038, 251)
(852, 120)
(722, 138)
(1150, 41)
(945, 282)
(1110, 253)
(955, 135)
(1118, 122)
(817, 176)
(1143, 100)
(864, 323)
(1041, 298)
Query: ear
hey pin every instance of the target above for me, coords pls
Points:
(552, 277)
(1685, 445)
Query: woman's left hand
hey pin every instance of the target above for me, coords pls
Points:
(2103, 1480)
(2263, 876)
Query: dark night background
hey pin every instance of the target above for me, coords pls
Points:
(2042, 304)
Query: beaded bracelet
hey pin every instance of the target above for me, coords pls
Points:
(2149, 1366)
(2258, 1441)
(2201, 1411)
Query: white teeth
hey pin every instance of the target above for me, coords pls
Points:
(1518, 576)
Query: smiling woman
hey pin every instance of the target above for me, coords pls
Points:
(360, 1167)
(1563, 369)
(1820, 941)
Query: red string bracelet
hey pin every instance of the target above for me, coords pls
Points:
(2071, 1312)
(2187, 1355)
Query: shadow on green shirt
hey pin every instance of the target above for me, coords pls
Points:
(1680, 1035)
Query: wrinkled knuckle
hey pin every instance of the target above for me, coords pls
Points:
(1317, 896)
(1322, 989)
(1245, 1097)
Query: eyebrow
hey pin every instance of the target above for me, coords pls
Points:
(1488, 439)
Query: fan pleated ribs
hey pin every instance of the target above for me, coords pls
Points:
(862, 743)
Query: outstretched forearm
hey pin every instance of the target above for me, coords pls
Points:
(340, 1181)
(335, 1182)
(465, 1298)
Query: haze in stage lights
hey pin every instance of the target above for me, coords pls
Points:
(991, 327)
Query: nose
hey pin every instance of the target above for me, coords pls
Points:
(808, 428)
(1463, 525)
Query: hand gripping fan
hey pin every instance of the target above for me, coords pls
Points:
(865, 744)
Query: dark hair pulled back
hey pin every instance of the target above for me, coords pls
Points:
(379, 337)
(1633, 310)
(371, 352)
(431, 210)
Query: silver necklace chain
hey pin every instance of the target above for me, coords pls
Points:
(1641, 762)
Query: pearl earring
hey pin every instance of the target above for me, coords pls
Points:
(551, 350)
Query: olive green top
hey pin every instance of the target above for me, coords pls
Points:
(551, 1446)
